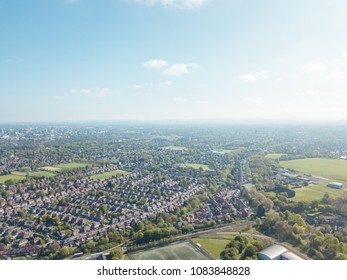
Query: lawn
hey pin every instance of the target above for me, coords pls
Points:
(107, 175)
(197, 166)
(274, 156)
(214, 244)
(316, 192)
(15, 178)
(234, 151)
(71, 165)
(35, 174)
(332, 169)
(20, 176)
(177, 251)
(66, 166)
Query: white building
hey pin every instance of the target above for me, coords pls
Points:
(277, 252)
(335, 185)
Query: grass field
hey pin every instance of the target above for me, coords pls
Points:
(214, 244)
(332, 169)
(35, 174)
(177, 251)
(60, 167)
(274, 156)
(15, 178)
(197, 166)
(234, 151)
(107, 175)
(316, 192)
(176, 148)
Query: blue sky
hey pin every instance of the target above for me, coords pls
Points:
(173, 59)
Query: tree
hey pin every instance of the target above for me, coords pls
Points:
(260, 211)
(229, 254)
(250, 252)
(116, 254)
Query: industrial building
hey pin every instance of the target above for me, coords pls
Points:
(335, 185)
(277, 252)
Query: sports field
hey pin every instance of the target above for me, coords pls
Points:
(178, 251)
(66, 166)
(214, 244)
(17, 176)
(107, 175)
(316, 192)
(197, 166)
(331, 169)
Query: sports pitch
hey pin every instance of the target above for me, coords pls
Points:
(177, 251)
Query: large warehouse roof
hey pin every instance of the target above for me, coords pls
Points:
(273, 252)
(290, 256)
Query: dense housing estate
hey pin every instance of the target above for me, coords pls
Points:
(70, 191)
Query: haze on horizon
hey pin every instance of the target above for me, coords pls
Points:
(64, 60)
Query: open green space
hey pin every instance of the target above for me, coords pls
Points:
(234, 151)
(316, 192)
(18, 176)
(213, 244)
(331, 169)
(64, 166)
(176, 148)
(177, 251)
(197, 166)
(36, 174)
(274, 156)
(107, 175)
(15, 178)
(71, 165)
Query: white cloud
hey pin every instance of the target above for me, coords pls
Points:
(138, 86)
(96, 92)
(315, 67)
(255, 77)
(102, 92)
(156, 63)
(180, 4)
(179, 69)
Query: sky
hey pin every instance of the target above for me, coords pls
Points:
(71, 60)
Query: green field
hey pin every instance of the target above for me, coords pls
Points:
(178, 251)
(274, 156)
(234, 151)
(107, 175)
(197, 166)
(35, 174)
(15, 178)
(316, 192)
(214, 244)
(66, 166)
(331, 169)
(176, 148)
